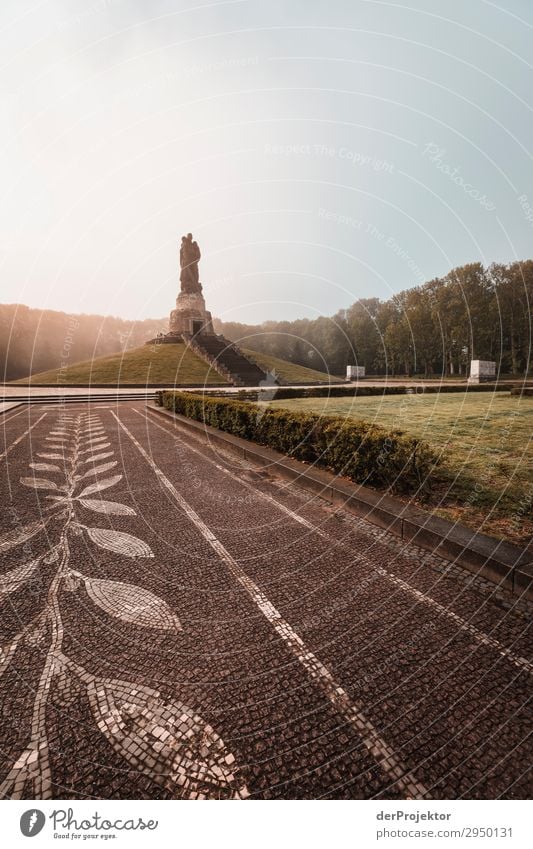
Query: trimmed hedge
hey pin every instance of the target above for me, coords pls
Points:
(364, 452)
(282, 393)
(363, 391)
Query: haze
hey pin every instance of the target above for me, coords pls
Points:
(319, 151)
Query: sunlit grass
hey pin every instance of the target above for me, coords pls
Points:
(168, 364)
(290, 372)
(484, 439)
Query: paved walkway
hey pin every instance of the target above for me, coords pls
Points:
(9, 391)
(177, 624)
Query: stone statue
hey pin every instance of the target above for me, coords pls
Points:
(190, 318)
(189, 259)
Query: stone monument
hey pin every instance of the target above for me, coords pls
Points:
(355, 372)
(191, 323)
(482, 370)
(190, 318)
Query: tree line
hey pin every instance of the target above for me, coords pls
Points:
(433, 329)
(33, 340)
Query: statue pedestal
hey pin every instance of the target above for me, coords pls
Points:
(190, 316)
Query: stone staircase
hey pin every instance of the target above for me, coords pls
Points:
(227, 359)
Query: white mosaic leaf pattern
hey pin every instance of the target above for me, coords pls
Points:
(103, 468)
(40, 483)
(95, 448)
(44, 467)
(108, 507)
(95, 441)
(132, 604)
(96, 457)
(119, 542)
(100, 485)
(19, 535)
(166, 740)
(15, 578)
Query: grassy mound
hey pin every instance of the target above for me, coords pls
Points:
(289, 372)
(173, 365)
(163, 364)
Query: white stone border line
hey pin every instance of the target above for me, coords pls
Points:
(20, 438)
(378, 748)
(479, 636)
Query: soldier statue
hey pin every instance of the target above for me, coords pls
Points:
(189, 258)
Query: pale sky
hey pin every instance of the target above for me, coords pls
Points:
(319, 150)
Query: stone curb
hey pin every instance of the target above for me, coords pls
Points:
(495, 560)
(14, 405)
(124, 386)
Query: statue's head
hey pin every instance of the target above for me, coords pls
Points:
(189, 236)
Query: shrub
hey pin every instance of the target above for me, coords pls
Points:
(364, 452)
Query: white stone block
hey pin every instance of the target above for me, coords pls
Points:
(355, 372)
(482, 370)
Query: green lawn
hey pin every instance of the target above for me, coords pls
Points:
(170, 364)
(484, 440)
(290, 372)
